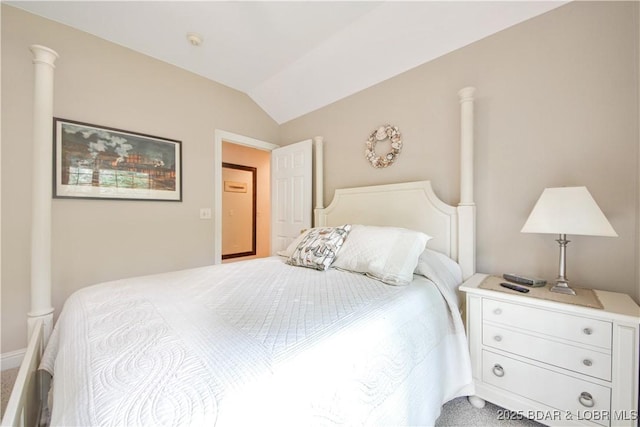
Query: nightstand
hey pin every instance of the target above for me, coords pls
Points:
(557, 363)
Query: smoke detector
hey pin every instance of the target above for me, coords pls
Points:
(194, 39)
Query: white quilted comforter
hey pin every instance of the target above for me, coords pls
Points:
(257, 343)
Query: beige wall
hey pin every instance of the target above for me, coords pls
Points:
(557, 105)
(101, 83)
(261, 160)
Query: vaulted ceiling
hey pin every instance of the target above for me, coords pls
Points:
(292, 57)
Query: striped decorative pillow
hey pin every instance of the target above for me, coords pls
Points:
(319, 247)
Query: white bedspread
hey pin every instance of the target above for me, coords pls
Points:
(257, 343)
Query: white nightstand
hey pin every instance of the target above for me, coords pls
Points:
(560, 364)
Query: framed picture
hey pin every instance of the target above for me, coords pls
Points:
(97, 162)
(235, 187)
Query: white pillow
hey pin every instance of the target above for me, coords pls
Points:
(318, 247)
(438, 267)
(389, 254)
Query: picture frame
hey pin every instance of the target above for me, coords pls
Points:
(99, 162)
(235, 187)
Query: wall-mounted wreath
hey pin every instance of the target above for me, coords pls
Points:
(383, 132)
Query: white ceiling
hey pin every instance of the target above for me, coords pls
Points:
(292, 57)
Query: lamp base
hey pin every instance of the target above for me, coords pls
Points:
(562, 288)
(562, 283)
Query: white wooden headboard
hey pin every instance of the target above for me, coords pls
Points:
(414, 205)
(411, 205)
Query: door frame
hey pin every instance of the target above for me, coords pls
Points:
(233, 138)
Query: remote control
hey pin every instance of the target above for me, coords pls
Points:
(514, 287)
(522, 280)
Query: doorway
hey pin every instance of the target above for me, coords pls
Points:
(246, 202)
(239, 210)
(244, 151)
(289, 180)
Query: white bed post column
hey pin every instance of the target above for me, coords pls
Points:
(319, 178)
(41, 309)
(467, 206)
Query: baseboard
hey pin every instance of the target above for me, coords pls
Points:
(12, 359)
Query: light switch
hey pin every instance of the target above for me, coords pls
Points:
(205, 213)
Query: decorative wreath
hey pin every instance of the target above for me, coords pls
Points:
(383, 132)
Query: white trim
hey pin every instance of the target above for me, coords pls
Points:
(220, 136)
(243, 140)
(12, 359)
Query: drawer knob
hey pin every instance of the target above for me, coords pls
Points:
(586, 399)
(498, 338)
(498, 370)
(587, 331)
(587, 362)
(497, 311)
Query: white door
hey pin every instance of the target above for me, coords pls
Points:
(291, 186)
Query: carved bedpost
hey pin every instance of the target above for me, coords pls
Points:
(41, 307)
(467, 206)
(319, 178)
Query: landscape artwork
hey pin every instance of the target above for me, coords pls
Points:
(105, 163)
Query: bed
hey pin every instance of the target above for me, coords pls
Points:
(357, 322)
(269, 343)
(259, 342)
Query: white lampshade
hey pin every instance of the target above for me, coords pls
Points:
(568, 210)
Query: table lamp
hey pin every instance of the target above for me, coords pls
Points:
(567, 210)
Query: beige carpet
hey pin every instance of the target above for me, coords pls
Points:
(7, 379)
(459, 413)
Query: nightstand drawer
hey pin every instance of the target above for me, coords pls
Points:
(578, 359)
(550, 388)
(552, 323)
